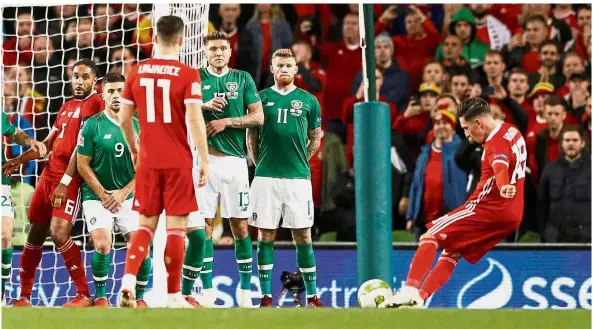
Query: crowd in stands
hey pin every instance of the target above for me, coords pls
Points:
(531, 62)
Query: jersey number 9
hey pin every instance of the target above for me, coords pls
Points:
(119, 148)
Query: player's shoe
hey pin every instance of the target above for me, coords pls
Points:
(101, 302)
(79, 301)
(22, 302)
(407, 297)
(314, 302)
(192, 301)
(266, 301)
(208, 299)
(3, 302)
(127, 298)
(141, 304)
(245, 299)
(177, 301)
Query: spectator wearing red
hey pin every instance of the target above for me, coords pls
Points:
(518, 87)
(138, 26)
(572, 63)
(508, 14)
(445, 101)
(310, 75)
(527, 55)
(579, 92)
(564, 12)
(229, 14)
(411, 123)
(270, 31)
(489, 29)
(549, 56)
(29, 103)
(342, 61)
(587, 119)
(348, 107)
(417, 46)
(17, 49)
(438, 184)
(322, 11)
(556, 29)
(582, 44)
(537, 122)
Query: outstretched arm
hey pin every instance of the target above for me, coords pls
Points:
(315, 137)
(30, 154)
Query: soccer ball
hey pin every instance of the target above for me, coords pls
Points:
(373, 292)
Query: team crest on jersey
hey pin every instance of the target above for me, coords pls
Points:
(296, 104)
(232, 88)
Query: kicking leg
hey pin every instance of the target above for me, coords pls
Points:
(243, 256)
(439, 275)
(306, 261)
(100, 264)
(265, 264)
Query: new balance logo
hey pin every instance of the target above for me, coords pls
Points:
(270, 104)
(206, 87)
(107, 136)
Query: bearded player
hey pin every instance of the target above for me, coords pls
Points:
(167, 94)
(55, 200)
(281, 149)
(492, 212)
(21, 138)
(105, 164)
(227, 95)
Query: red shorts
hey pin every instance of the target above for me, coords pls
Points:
(41, 209)
(472, 233)
(169, 189)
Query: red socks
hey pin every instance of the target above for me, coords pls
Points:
(421, 262)
(73, 261)
(438, 276)
(174, 259)
(29, 261)
(138, 249)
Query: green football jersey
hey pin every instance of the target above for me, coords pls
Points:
(102, 139)
(7, 130)
(239, 89)
(283, 137)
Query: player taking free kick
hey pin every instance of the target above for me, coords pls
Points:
(492, 212)
(167, 94)
(55, 201)
(281, 149)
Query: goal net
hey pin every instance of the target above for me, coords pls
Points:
(40, 44)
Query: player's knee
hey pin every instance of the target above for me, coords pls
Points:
(267, 235)
(208, 228)
(239, 227)
(6, 239)
(59, 232)
(301, 236)
(37, 234)
(103, 247)
(453, 255)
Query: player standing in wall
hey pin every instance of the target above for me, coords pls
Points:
(493, 211)
(281, 148)
(105, 164)
(21, 138)
(55, 202)
(227, 94)
(167, 94)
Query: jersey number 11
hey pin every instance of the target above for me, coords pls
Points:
(149, 84)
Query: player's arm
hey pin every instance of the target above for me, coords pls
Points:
(499, 159)
(254, 118)
(21, 138)
(83, 164)
(31, 154)
(314, 137)
(253, 143)
(197, 129)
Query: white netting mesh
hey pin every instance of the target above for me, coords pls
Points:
(40, 44)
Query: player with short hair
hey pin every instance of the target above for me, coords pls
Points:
(55, 201)
(493, 211)
(168, 97)
(281, 149)
(21, 138)
(105, 164)
(227, 95)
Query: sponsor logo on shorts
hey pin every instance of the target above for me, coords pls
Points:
(255, 217)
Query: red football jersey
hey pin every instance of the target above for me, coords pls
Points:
(71, 117)
(159, 88)
(504, 145)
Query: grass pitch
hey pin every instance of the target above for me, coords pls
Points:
(95, 318)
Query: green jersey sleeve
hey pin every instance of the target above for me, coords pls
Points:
(315, 115)
(86, 144)
(7, 128)
(250, 94)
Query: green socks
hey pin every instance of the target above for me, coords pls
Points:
(206, 273)
(243, 256)
(6, 267)
(265, 265)
(142, 278)
(307, 265)
(193, 260)
(100, 268)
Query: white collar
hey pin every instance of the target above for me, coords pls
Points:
(352, 47)
(225, 71)
(84, 99)
(163, 56)
(106, 112)
(284, 93)
(495, 130)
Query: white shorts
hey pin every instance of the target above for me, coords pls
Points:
(275, 197)
(196, 218)
(7, 206)
(228, 184)
(97, 217)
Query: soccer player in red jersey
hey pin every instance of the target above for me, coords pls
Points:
(166, 93)
(55, 202)
(492, 212)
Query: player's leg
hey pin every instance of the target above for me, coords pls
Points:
(194, 257)
(7, 226)
(439, 275)
(99, 223)
(265, 253)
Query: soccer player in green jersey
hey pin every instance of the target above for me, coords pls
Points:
(21, 138)
(227, 94)
(281, 148)
(105, 163)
